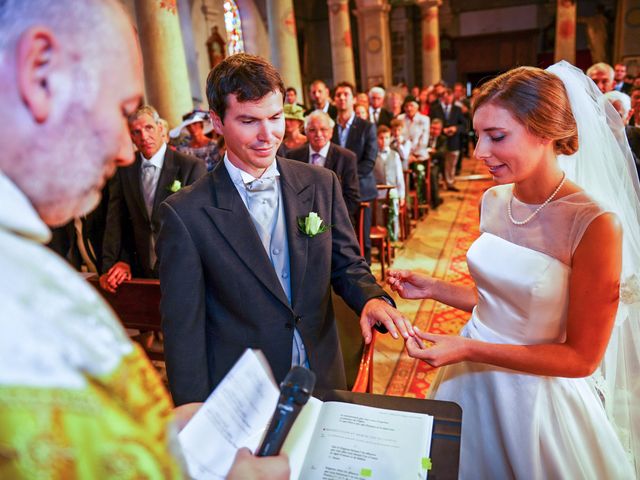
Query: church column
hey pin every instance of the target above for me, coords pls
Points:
(375, 42)
(165, 65)
(341, 44)
(431, 70)
(627, 34)
(284, 41)
(565, 47)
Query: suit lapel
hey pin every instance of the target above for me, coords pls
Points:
(331, 158)
(297, 196)
(168, 174)
(132, 175)
(354, 134)
(234, 223)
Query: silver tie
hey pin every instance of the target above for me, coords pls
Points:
(148, 184)
(262, 201)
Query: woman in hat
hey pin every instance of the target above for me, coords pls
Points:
(294, 121)
(197, 124)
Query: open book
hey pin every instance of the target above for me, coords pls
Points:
(331, 440)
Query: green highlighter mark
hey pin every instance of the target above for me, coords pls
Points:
(365, 472)
(426, 463)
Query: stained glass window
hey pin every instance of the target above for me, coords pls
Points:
(234, 28)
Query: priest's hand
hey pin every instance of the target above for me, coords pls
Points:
(249, 467)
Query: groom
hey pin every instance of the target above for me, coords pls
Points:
(239, 270)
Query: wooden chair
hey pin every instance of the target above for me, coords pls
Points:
(412, 196)
(137, 304)
(424, 207)
(379, 237)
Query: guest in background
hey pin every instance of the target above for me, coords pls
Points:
(322, 152)
(400, 142)
(454, 123)
(378, 115)
(135, 194)
(359, 136)
(416, 126)
(602, 75)
(619, 78)
(361, 111)
(437, 155)
(320, 99)
(291, 97)
(394, 103)
(634, 118)
(200, 145)
(293, 124)
(388, 171)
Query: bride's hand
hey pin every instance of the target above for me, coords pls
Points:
(445, 349)
(410, 284)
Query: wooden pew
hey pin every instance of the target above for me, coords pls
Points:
(137, 304)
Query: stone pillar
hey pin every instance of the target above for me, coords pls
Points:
(165, 65)
(375, 42)
(431, 69)
(627, 35)
(284, 41)
(341, 44)
(565, 48)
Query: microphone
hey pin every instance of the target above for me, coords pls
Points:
(295, 390)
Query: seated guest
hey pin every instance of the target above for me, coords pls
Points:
(293, 123)
(135, 194)
(388, 171)
(198, 125)
(635, 106)
(322, 152)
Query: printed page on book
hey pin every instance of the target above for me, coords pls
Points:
(235, 415)
(353, 442)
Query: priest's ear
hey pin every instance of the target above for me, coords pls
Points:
(38, 63)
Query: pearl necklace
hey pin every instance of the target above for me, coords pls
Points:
(537, 210)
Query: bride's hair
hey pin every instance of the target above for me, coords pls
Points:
(538, 100)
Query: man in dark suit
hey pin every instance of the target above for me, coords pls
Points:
(377, 113)
(242, 262)
(322, 152)
(135, 194)
(454, 128)
(320, 99)
(80, 240)
(359, 136)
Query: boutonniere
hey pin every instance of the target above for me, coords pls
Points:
(175, 186)
(312, 225)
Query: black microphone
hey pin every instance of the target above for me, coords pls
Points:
(295, 391)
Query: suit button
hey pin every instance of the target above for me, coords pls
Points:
(298, 319)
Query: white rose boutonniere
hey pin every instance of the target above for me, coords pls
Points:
(175, 186)
(312, 225)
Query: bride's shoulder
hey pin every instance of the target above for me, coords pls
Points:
(498, 193)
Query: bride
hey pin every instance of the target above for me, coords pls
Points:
(558, 233)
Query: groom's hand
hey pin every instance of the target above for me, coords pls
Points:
(377, 311)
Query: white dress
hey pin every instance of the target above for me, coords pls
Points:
(518, 425)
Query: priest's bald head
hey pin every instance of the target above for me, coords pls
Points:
(62, 109)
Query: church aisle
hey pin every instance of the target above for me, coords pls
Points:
(437, 247)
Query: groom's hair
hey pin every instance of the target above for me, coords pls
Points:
(538, 100)
(248, 77)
